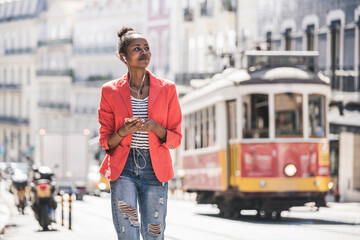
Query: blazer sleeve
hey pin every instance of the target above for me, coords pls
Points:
(174, 117)
(106, 119)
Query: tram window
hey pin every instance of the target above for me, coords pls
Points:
(255, 116)
(288, 115)
(316, 115)
(231, 115)
(187, 132)
(198, 130)
(212, 123)
(205, 127)
(190, 131)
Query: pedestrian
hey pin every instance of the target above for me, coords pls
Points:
(140, 120)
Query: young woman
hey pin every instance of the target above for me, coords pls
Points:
(140, 120)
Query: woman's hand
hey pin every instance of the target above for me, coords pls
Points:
(148, 125)
(151, 125)
(132, 126)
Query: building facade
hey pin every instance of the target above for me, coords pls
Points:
(204, 38)
(19, 24)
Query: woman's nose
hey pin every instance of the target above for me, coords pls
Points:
(144, 50)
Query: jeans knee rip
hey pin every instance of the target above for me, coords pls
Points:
(154, 229)
(129, 212)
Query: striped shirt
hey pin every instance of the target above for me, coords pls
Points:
(140, 109)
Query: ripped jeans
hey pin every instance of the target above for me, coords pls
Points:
(138, 186)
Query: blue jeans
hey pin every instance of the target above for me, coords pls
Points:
(138, 186)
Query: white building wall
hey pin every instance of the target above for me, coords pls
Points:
(349, 160)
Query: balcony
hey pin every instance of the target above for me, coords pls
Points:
(86, 111)
(19, 51)
(344, 80)
(95, 50)
(184, 78)
(14, 120)
(10, 86)
(55, 42)
(46, 72)
(54, 105)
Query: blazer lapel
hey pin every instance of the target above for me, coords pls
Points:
(154, 91)
(124, 92)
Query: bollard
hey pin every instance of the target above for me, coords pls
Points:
(62, 208)
(70, 211)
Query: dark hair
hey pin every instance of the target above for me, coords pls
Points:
(125, 37)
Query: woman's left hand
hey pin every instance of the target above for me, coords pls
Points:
(148, 125)
(151, 125)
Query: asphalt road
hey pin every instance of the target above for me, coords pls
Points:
(91, 219)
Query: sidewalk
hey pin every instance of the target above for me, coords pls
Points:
(5, 213)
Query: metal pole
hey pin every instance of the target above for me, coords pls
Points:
(62, 209)
(70, 211)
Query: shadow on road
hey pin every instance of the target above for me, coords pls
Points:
(283, 220)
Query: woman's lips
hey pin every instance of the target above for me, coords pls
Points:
(144, 58)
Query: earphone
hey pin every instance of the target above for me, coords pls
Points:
(124, 59)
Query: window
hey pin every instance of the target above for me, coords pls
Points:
(358, 53)
(288, 115)
(200, 129)
(268, 40)
(310, 38)
(334, 52)
(155, 7)
(28, 76)
(317, 125)
(205, 128)
(229, 5)
(288, 39)
(20, 77)
(255, 116)
(206, 8)
(231, 116)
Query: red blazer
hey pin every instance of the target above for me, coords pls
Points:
(163, 107)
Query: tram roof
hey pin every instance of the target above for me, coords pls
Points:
(235, 77)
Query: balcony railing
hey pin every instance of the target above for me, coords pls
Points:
(14, 120)
(184, 78)
(95, 50)
(343, 80)
(10, 86)
(54, 105)
(86, 110)
(19, 51)
(55, 42)
(45, 72)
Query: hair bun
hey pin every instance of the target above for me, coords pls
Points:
(123, 31)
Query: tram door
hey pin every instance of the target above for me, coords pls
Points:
(232, 146)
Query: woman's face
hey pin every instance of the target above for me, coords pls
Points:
(138, 52)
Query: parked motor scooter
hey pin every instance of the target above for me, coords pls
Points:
(43, 188)
(19, 186)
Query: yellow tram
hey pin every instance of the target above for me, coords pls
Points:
(256, 138)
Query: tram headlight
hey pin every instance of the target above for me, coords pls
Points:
(102, 186)
(290, 170)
